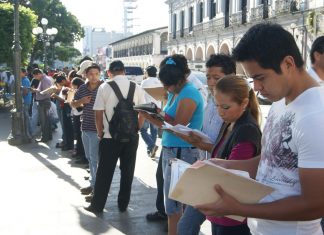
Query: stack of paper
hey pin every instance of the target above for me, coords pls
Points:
(48, 91)
(181, 129)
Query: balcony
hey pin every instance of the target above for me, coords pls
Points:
(216, 24)
(284, 6)
(236, 18)
(257, 13)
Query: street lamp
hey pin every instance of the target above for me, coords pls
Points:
(17, 135)
(45, 35)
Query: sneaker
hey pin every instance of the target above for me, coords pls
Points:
(153, 152)
(86, 190)
(89, 197)
(156, 216)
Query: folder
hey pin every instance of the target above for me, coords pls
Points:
(158, 93)
(196, 185)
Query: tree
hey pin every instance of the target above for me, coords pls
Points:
(27, 20)
(69, 28)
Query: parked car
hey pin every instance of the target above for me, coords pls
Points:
(134, 73)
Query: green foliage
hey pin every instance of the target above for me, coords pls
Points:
(27, 20)
(310, 21)
(66, 53)
(68, 26)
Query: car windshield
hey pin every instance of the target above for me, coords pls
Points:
(137, 71)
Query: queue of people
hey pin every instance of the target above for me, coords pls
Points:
(286, 154)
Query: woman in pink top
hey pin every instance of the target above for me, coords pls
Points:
(239, 138)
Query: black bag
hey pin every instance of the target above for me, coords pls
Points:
(123, 125)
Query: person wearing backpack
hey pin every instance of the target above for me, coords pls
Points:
(117, 128)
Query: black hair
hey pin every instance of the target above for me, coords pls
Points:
(116, 66)
(151, 71)
(317, 46)
(267, 44)
(171, 73)
(23, 70)
(184, 61)
(37, 71)
(93, 66)
(85, 58)
(77, 82)
(60, 78)
(225, 62)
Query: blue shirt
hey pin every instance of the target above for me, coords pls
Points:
(187, 92)
(26, 83)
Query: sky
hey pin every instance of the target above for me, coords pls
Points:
(109, 13)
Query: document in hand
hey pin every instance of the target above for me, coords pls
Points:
(157, 93)
(196, 185)
(70, 96)
(181, 129)
(48, 91)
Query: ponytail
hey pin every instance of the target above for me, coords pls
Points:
(254, 106)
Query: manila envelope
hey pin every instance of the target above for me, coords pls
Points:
(196, 186)
(157, 93)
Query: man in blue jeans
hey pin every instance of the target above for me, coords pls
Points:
(27, 99)
(150, 139)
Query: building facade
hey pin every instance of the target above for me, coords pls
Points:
(97, 38)
(199, 28)
(143, 49)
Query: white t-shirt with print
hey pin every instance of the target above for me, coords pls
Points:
(292, 139)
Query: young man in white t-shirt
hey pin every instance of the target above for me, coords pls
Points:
(291, 159)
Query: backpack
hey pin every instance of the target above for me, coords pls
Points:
(123, 125)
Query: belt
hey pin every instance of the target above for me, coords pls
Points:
(178, 155)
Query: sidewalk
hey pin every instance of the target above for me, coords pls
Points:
(40, 193)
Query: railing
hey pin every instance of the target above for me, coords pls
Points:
(283, 6)
(216, 24)
(236, 18)
(256, 13)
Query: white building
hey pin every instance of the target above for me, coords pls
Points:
(199, 28)
(96, 38)
(143, 49)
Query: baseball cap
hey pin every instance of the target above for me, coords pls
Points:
(83, 66)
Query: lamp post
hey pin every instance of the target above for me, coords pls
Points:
(45, 35)
(17, 135)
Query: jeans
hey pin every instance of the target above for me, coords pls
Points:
(190, 221)
(43, 108)
(35, 118)
(60, 115)
(187, 154)
(91, 149)
(27, 120)
(149, 139)
(110, 151)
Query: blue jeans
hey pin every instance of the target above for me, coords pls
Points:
(27, 120)
(91, 148)
(35, 118)
(149, 139)
(188, 155)
(190, 221)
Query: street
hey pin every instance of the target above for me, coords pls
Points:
(40, 193)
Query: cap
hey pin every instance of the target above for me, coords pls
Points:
(83, 66)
